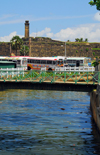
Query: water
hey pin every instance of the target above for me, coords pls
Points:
(46, 123)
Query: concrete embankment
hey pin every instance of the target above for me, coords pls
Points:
(95, 105)
(59, 86)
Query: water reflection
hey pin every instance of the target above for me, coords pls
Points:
(46, 122)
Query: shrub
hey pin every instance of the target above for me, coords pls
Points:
(87, 49)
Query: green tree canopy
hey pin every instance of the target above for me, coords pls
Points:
(24, 50)
(95, 2)
(86, 39)
(16, 43)
(77, 39)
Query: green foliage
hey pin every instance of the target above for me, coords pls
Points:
(95, 48)
(95, 63)
(93, 53)
(77, 39)
(16, 43)
(24, 50)
(95, 2)
(76, 51)
(81, 40)
(68, 40)
(86, 39)
(87, 49)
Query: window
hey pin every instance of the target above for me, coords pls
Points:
(54, 62)
(81, 61)
(74, 61)
(31, 61)
(43, 61)
(49, 62)
(65, 61)
(19, 62)
(38, 61)
(69, 61)
(24, 61)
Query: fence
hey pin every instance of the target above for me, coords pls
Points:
(74, 69)
(11, 72)
(70, 76)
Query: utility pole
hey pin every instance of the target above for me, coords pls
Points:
(10, 49)
(24, 50)
(30, 47)
(65, 49)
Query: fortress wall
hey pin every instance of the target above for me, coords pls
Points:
(41, 46)
(4, 49)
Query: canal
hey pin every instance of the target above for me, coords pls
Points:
(37, 122)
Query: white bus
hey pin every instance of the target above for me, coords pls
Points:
(78, 61)
(50, 63)
(21, 61)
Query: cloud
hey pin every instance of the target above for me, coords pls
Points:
(9, 37)
(16, 18)
(41, 33)
(97, 16)
(13, 19)
(5, 16)
(90, 31)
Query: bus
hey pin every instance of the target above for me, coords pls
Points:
(49, 63)
(78, 61)
(21, 61)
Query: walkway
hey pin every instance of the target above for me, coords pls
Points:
(56, 80)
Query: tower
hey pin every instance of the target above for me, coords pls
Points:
(26, 29)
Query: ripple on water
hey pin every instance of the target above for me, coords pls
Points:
(46, 122)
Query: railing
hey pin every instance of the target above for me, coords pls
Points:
(77, 77)
(80, 69)
(69, 69)
(11, 72)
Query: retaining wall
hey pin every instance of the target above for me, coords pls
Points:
(41, 46)
(95, 105)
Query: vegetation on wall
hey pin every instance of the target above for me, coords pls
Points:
(87, 49)
(95, 48)
(81, 40)
(24, 51)
(16, 43)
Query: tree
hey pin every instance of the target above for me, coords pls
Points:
(86, 40)
(24, 50)
(77, 39)
(81, 40)
(95, 2)
(16, 43)
(68, 40)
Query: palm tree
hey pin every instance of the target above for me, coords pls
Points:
(16, 43)
(24, 50)
(81, 40)
(77, 39)
(86, 40)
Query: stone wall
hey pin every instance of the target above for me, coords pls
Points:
(41, 46)
(4, 49)
(95, 106)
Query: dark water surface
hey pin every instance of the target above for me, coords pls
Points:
(46, 123)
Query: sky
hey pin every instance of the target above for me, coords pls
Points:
(57, 19)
